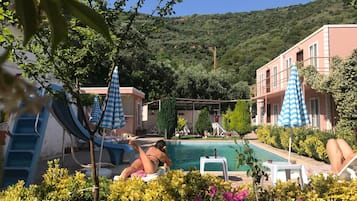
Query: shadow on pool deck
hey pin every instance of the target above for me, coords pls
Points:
(82, 155)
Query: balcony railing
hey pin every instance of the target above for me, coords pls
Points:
(278, 82)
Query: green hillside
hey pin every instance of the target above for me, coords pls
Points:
(244, 41)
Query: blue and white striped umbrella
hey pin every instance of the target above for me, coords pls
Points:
(96, 111)
(293, 112)
(114, 115)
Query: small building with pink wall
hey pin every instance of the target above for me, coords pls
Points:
(317, 50)
(132, 99)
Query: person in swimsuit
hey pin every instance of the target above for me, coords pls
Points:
(339, 154)
(148, 161)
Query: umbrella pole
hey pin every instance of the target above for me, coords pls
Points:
(101, 151)
(291, 134)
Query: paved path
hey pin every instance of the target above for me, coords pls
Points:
(82, 155)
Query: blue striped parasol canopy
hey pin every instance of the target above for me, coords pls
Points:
(293, 112)
(114, 114)
(96, 111)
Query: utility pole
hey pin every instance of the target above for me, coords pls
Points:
(214, 59)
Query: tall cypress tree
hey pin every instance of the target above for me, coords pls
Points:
(167, 117)
(203, 122)
(240, 119)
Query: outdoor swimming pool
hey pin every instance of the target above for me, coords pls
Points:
(186, 155)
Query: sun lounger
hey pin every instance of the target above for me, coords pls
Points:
(145, 177)
(349, 171)
(65, 115)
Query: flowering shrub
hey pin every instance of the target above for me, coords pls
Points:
(213, 194)
(305, 141)
(175, 185)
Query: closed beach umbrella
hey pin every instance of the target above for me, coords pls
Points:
(113, 115)
(293, 112)
(96, 111)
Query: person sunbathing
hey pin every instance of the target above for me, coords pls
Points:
(339, 154)
(148, 161)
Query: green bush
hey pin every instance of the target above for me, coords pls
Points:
(181, 123)
(305, 141)
(203, 122)
(167, 117)
(263, 134)
(240, 119)
(284, 136)
(320, 188)
(226, 119)
(274, 139)
(175, 185)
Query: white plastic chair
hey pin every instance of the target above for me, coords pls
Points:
(349, 171)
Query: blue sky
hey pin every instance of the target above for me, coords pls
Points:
(190, 7)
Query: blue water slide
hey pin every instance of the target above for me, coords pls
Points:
(65, 115)
(24, 148)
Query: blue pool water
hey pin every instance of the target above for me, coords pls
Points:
(186, 155)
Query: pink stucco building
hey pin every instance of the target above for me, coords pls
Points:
(317, 49)
(132, 99)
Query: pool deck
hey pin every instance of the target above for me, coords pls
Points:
(237, 177)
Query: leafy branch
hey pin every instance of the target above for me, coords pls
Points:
(245, 156)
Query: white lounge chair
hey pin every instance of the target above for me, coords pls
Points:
(349, 171)
(146, 177)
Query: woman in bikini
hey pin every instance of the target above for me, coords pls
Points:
(148, 161)
(339, 154)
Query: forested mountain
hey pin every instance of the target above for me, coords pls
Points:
(244, 41)
(173, 56)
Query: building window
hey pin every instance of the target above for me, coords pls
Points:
(288, 64)
(313, 54)
(268, 113)
(261, 83)
(262, 115)
(139, 115)
(276, 113)
(300, 57)
(267, 81)
(315, 113)
(275, 76)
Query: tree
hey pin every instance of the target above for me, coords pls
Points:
(203, 122)
(28, 15)
(341, 84)
(240, 119)
(69, 60)
(352, 3)
(197, 82)
(227, 119)
(167, 117)
(181, 123)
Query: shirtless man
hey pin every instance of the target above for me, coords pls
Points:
(148, 161)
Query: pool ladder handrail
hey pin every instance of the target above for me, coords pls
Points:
(41, 93)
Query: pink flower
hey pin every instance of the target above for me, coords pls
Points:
(228, 196)
(245, 192)
(198, 198)
(299, 199)
(213, 191)
(238, 197)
